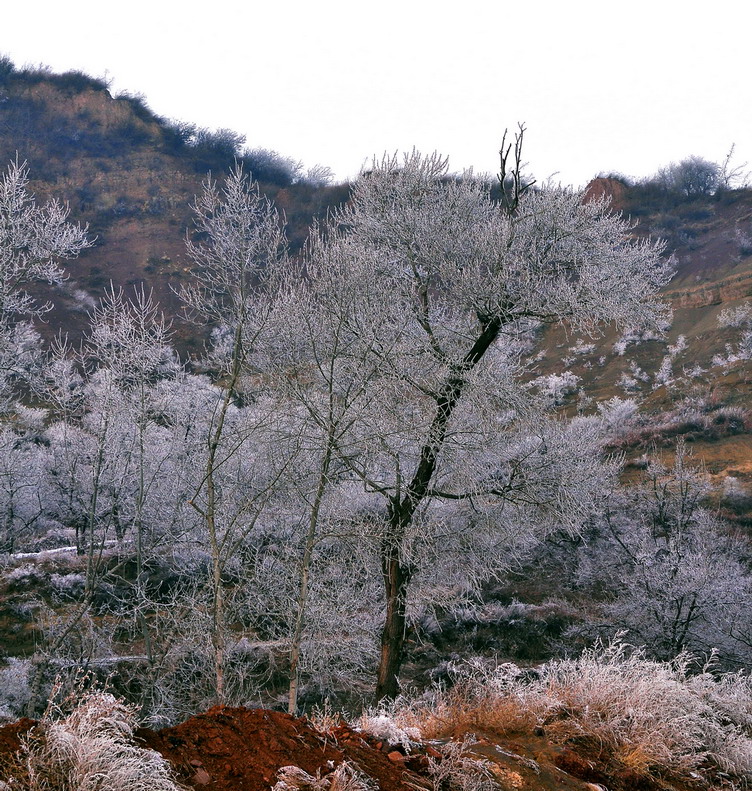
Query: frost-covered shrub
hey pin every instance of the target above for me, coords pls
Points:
(665, 374)
(89, 747)
(650, 714)
(346, 777)
(733, 419)
(582, 348)
(456, 770)
(651, 718)
(27, 575)
(619, 415)
(14, 689)
(68, 587)
(29, 417)
(384, 728)
(554, 388)
(695, 372)
(636, 337)
(744, 240)
(628, 383)
(740, 317)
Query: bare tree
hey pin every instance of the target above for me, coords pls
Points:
(692, 177)
(241, 240)
(32, 239)
(434, 284)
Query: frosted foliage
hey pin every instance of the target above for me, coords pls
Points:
(130, 339)
(14, 689)
(619, 415)
(637, 336)
(664, 375)
(556, 257)
(678, 719)
(24, 499)
(554, 388)
(676, 581)
(402, 340)
(740, 317)
(457, 770)
(20, 358)
(31, 238)
(346, 777)
(243, 240)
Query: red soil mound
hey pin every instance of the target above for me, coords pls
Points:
(235, 749)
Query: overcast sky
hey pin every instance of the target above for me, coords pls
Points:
(601, 86)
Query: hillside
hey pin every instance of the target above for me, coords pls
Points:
(132, 177)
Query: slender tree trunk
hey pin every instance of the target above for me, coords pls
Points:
(305, 570)
(397, 575)
(209, 514)
(396, 582)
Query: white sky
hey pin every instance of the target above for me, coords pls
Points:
(601, 86)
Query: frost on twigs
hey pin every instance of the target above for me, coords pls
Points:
(739, 317)
(457, 770)
(32, 240)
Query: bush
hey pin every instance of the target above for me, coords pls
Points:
(88, 747)
(270, 167)
(7, 68)
(77, 82)
(690, 178)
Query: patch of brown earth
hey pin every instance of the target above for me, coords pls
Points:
(10, 735)
(236, 749)
(613, 189)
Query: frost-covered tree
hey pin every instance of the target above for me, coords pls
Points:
(433, 283)
(240, 239)
(674, 578)
(33, 239)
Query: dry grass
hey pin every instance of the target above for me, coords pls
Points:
(640, 717)
(89, 748)
(345, 777)
(471, 706)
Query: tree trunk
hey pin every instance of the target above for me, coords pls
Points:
(396, 581)
(397, 575)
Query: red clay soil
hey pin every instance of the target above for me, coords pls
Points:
(235, 749)
(10, 735)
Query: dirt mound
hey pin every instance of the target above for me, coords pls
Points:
(235, 749)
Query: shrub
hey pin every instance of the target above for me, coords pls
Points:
(14, 688)
(78, 81)
(346, 777)
(691, 177)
